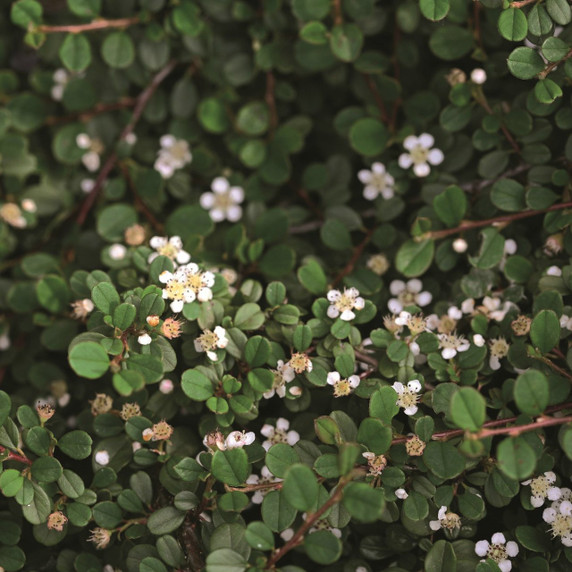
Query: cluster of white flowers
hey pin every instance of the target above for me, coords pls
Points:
(13, 214)
(171, 248)
(408, 396)
(209, 341)
(541, 488)
(377, 182)
(492, 307)
(283, 375)
(224, 201)
(173, 155)
(342, 387)
(421, 154)
(499, 550)
(279, 433)
(343, 304)
(187, 284)
(216, 441)
(265, 478)
(407, 294)
(93, 149)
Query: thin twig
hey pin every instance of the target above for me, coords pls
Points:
(303, 194)
(348, 268)
(480, 185)
(337, 12)
(378, 99)
(14, 456)
(366, 358)
(470, 225)
(97, 110)
(482, 101)
(142, 101)
(95, 25)
(522, 3)
(271, 101)
(551, 66)
(311, 519)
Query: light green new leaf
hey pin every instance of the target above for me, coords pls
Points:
(468, 409)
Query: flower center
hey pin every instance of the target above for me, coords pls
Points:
(447, 324)
(179, 150)
(499, 348)
(344, 303)
(169, 250)
(497, 552)
(223, 201)
(279, 436)
(379, 180)
(175, 290)
(342, 388)
(539, 486)
(406, 298)
(419, 154)
(562, 525)
(208, 340)
(299, 362)
(407, 399)
(194, 282)
(451, 521)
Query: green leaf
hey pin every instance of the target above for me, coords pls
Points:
(414, 258)
(312, 277)
(441, 558)
(416, 506)
(279, 457)
(76, 444)
(196, 385)
(314, 33)
(559, 11)
(383, 404)
(71, 484)
(335, 235)
(85, 8)
(38, 510)
(231, 466)
(75, 52)
(276, 512)
(213, 116)
(107, 514)
(259, 536)
(105, 297)
(187, 18)
(468, 409)
(368, 136)
(434, 9)
(364, 503)
(346, 41)
(124, 315)
(225, 560)
(257, 351)
(444, 460)
(513, 25)
(26, 12)
(12, 558)
(300, 487)
(249, 317)
(491, 251)
(531, 392)
(302, 338)
(165, 520)
(117, 50)
(545, 330)
(151, 368)
(450, 42)
(322, 547)
(253, 118)
(547, 91)
(516, 458)
(554, 49)
(451, 205)
(46, 469)
(525, 63)
(11, 482)
(508, 195)
(53, 294)
(88, 359)
(5, 406)
(310, 9)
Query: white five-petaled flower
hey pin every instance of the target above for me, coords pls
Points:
(377, 182)
(174, 154)
(451, 344)
(266, 477)
(448, 520)
(144, 339)
(559, 517)
(499, 348)
(566, 322)
(541, 489)
(342, 387)
(498, 550)
(554, 271)
(209, 341)
(102, 458)
(117, 251)
(186, 285)
(401, 494)
(238, 439)
(283, 374)
(170, 247)
(279, 433)
(408, 396)
(93, 149)
(421, 154)
(224, 201)
(342, 305)
(375, 463)
(492, 307)
(407, 294)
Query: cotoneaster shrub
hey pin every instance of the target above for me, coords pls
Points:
(285, 284)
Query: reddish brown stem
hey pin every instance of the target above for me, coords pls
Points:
(311, 519)
(258, 487)
(482, 100)
(348, 268)
(142, 101)
(470, 225)
(378, 99)
(522, 3)
(551, 66)
(337, 12)
(95, 25)
(271, 101)
(97, 110)
(303, 194)
(360, 356)
(14, 456)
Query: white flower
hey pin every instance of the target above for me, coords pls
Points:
(478, 76)
(93, 147)
(407, 294)
(375, 463)
(117, 251)
(510, 246)
(451, 344)
(283, 374)
(166, 386)
(12, 214)
(554, 271)
(130, 139)
(343, 304)
(421, 154)
(186, 285)
(102, 458)
(460, 245)
(4, 341)
(377, 182)
(223, 203)
(407, 396)
(29, 205)
(266, 477)
(541, 489)
(499, 349)
(279, 433)
(144, 339)
(60, 79)
(210, 341)
(86, 185)
(174, 154)
(378, 264)
(478, 340)
(300, 362)
(170, 247)
(498, 550)
(448, 520)
(401, 494)
(344, 386)
(559, 517)
(566, 322)
(494, 308)
(238, 439)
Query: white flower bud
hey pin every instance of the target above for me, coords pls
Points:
(478, 340)
(460, 245)
(478, 76)
(102, 458)
(117, 252)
